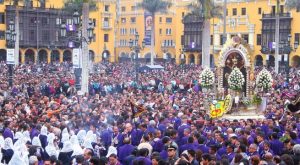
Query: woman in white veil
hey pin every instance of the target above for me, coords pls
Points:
(65, 155)
(20, 153)
(39, 150)
(7, 150)
(1, 146)
(81, 137)
(77, 150)
(43, 136)
(51, 148)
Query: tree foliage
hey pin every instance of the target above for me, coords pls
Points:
(292, 4)
(154, 6)
(76, 5)
(206, 9)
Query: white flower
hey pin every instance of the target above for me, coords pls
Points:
(207, 78)
(236, 79)
(264, 79)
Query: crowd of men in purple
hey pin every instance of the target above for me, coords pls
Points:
(172, 131)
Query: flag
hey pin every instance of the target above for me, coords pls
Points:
(137, 110)
(217, 110)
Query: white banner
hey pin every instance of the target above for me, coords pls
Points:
(76, 58)
(274, 45)
(10, 56)
(286, 56)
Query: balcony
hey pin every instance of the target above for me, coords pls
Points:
(194, 48)
(273, 16)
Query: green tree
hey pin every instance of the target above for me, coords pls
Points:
(77, 5)
(206, 9)
(292, 4)
(153, 7)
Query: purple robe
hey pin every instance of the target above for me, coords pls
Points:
(8, 133)
(124, 151)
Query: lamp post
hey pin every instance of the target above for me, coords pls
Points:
(133, 44)
(81, 70)
(287, 48)
(10, 39)
(51, 47)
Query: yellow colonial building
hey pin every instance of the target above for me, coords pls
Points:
(40, 39)
(177, 36)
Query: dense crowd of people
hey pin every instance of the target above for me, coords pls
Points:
(45, 121)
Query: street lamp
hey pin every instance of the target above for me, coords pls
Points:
(287, 48)
(133, 44)
(10, 39)
(76, 41)
(76, 18)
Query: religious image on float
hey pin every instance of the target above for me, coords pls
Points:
(233, 60)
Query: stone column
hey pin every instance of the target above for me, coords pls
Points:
(197, 59)
(187, 59)
(247, 81)
(61, 57)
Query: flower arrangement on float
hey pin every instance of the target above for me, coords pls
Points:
(236, 80)
(264, 80)
(207, 78)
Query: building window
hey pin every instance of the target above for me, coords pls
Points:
(168, 31)
(123, 8)
(32, 35)
(160, 19)
(132, 19)
(45, 21)
(2, 35)
(106, 38)
(246, 37)
(259, 10)
(297, 37)
(234, 11)
(45, 35)
(106, 22)
(2, 18)
(133, 8)
(58, 21)
(226, 12)
(211, 39)
(160, 31)
(168, 20)
(106, 8)
(123, 20)
(243, 11)
(258, 39)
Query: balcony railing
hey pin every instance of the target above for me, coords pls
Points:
(272, 15)
(196, 48)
